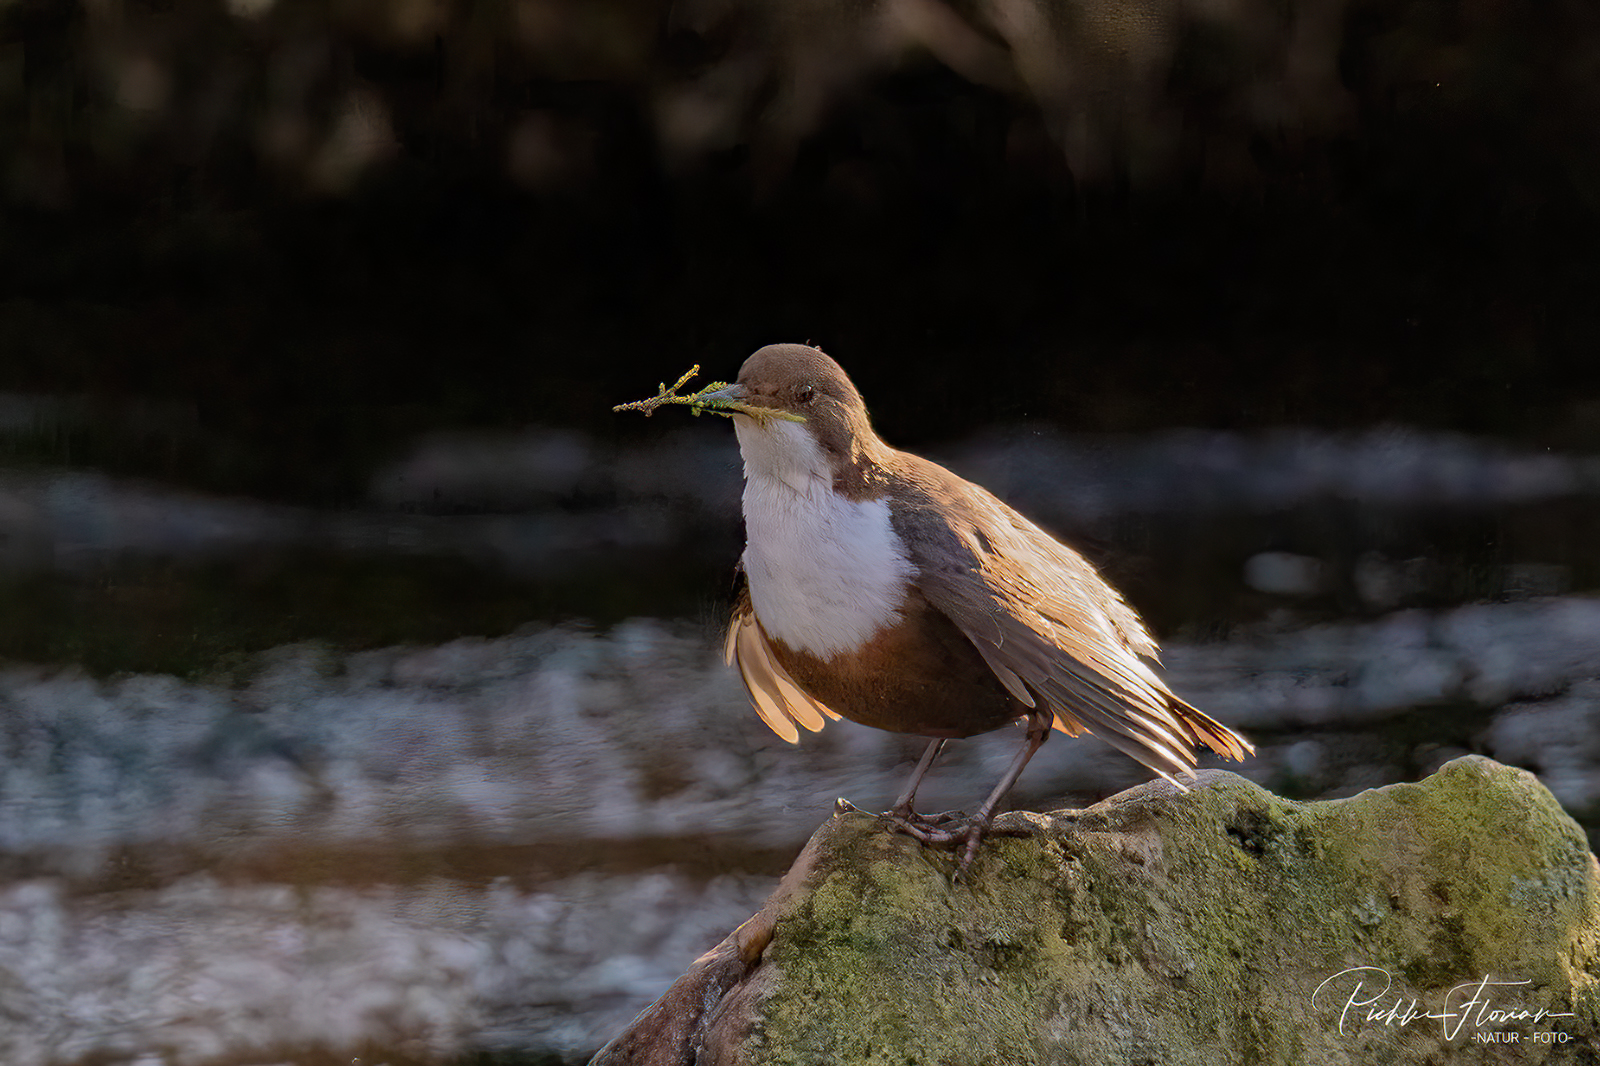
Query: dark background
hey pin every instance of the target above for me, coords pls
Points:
(323, 228)
(265, 248)
(268, 268)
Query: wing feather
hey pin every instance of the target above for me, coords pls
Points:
(777, 698)
(1047, 624)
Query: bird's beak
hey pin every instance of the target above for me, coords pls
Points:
(735, 399)
(734, 393)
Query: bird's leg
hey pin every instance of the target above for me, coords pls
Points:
(1038, 732)
(971, 834)
(902, 810)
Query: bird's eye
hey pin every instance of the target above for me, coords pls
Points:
(805, 394)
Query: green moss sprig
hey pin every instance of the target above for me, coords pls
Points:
(701, 402)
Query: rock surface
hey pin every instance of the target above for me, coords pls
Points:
(1456, 919)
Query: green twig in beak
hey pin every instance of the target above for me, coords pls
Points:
(703, 401)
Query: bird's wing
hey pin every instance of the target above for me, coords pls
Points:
(1047, 623)
(778, 700)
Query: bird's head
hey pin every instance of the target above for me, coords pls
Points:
(834, 435)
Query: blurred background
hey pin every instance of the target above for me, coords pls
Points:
(361, 697)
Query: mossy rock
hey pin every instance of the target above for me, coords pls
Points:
(1456, 919)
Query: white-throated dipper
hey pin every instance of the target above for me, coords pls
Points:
(883, 588)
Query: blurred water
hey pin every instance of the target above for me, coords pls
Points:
(529, 501)
(507, 844)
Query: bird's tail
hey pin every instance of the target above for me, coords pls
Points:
(1212, 733)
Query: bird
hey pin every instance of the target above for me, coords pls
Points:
(882, 588)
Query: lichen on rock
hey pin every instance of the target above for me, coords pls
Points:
(1455, 917)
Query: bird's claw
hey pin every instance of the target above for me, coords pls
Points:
(907, 816)
(936, 831)
(927, 831)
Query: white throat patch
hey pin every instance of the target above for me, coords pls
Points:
(825, 573)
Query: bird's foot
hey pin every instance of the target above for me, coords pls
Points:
(908, 817)
(928, 830)
(937, 831)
